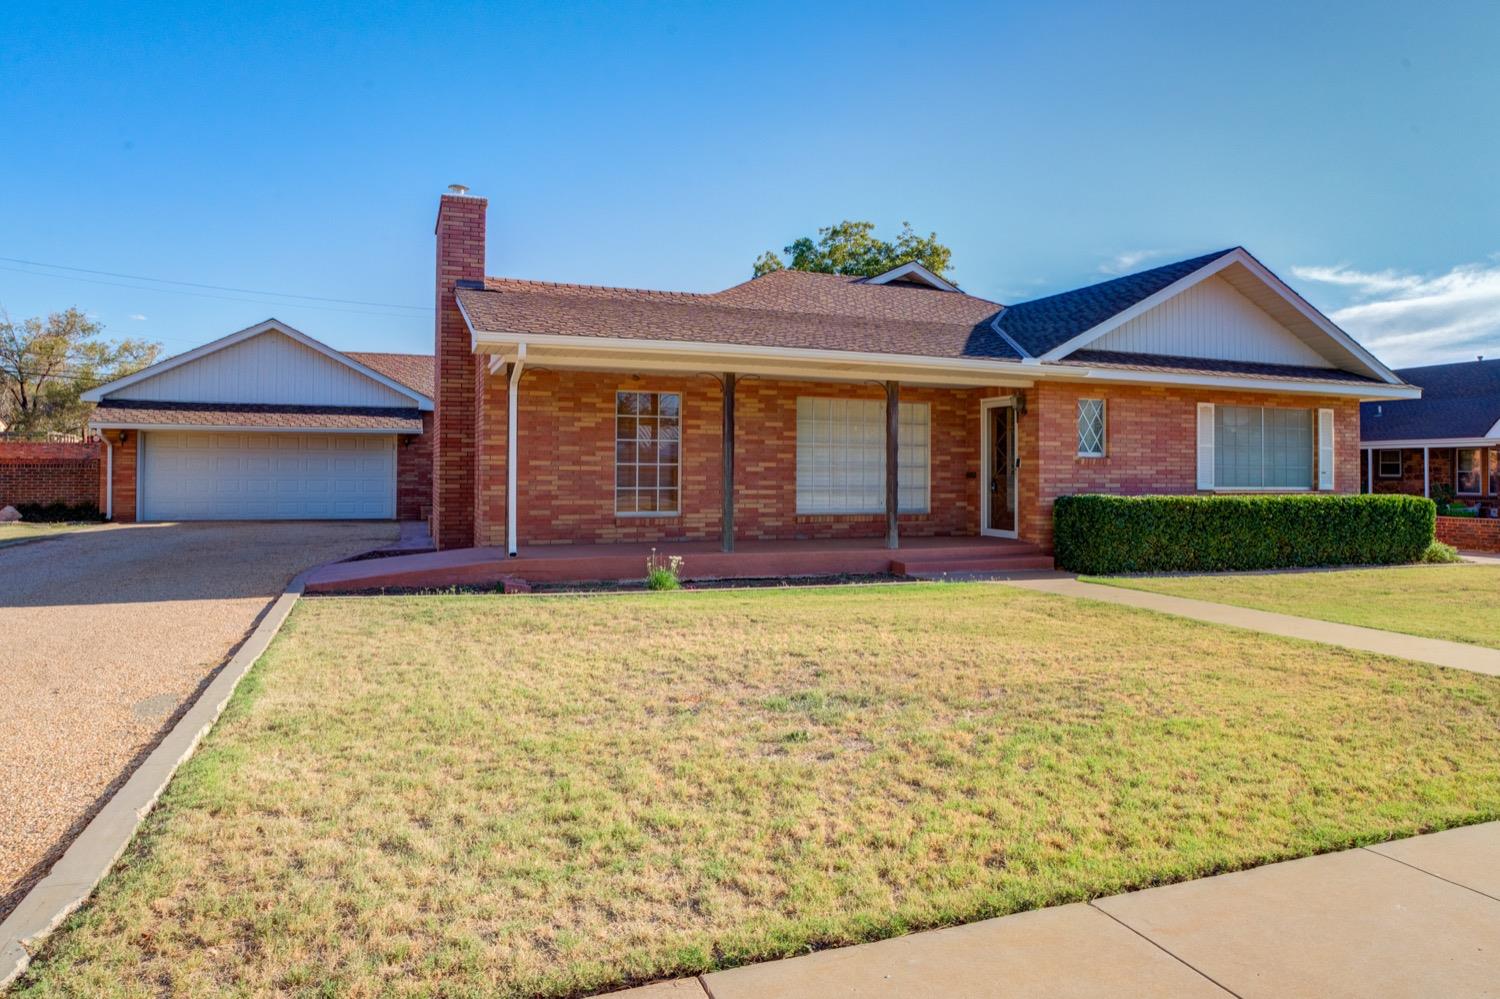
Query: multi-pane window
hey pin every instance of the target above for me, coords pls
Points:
(1390, 464)
(1470, 471)
(841, 456)
(1495, 471)
(1091, 428)
(648, 452)
(1263, 448)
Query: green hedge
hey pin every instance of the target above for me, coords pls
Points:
(1113, 534)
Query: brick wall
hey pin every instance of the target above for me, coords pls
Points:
(1478, 534)
(1151, 443)
(1442, 469)
(460, 257)
(566, 432)
(414, 473)
(50, 473)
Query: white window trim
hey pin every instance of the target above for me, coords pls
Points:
(614, 457)
(926, 507)
(1380, 454)
(1103, 428)
(1325, 453)
(1478, 471)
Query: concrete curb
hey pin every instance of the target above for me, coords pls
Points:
(89, 858)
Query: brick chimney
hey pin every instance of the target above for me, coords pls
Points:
(460, 259)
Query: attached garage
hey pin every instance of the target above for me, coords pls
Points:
(250, 476)
(268, 424)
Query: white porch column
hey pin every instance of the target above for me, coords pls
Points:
(1369, 470)
(1426, 475)
(510, 448)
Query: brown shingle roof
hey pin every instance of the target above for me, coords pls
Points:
(252, 415)
(840, 295)
(415, 371)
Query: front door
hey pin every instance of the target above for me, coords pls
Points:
(1000, 470)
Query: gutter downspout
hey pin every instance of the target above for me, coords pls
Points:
(516, 367)
(109, 479)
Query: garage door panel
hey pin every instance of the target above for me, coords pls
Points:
(249, 476)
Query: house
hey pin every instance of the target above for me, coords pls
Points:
(1449, 437)
(801, 407)
(268, 424)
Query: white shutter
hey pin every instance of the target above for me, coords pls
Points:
(1205, 445)
(1325, 449)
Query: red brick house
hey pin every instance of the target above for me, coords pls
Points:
(809, 407)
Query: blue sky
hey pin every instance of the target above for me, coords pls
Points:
(300, 148)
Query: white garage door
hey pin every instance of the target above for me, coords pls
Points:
(248, 476)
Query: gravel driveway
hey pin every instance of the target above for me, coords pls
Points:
(104, 636)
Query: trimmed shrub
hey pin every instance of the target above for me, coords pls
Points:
(1440, 553)
(1113, 534)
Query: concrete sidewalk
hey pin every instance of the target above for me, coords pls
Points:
(1457, 655)
(1416, 917)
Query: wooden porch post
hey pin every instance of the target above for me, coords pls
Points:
(728, 519)
(892, 457)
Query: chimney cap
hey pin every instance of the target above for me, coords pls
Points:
(458, 189)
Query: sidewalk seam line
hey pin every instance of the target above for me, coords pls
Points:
(1197, 971)
(1430, 874)
(703, 984)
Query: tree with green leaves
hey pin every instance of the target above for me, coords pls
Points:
(46, 364)
(852, 248)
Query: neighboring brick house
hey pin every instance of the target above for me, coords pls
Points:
(801, 406)
(268, 424)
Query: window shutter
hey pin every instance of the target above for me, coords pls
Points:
(1325, 449)
(1205, 445)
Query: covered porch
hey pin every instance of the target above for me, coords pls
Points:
(701, 560)
(1466, 472)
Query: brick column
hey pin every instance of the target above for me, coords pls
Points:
(460, 259)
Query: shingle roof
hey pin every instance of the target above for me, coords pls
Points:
(1458, 401)
(1167, 364)
(621, 313)
(1046, 323)
(254, 415)
(415, 371)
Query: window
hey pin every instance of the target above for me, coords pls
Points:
(1390, 464)
(1262, 448)
(841, 456)
(1495, 471)
(1091, 428)
(648, 458)
(1470, 471)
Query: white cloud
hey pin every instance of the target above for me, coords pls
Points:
(1123, 263)
(138, 317)
(1408, 319)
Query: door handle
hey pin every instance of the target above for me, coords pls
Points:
(994, 485)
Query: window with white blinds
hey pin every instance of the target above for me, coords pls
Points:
(841, 456)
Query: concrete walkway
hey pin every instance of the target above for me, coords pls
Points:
(1458, 655)
(1416, 917)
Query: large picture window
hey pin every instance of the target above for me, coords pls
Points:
(1259, 447)
(841, 456)
(648, 452)
(1470, 471)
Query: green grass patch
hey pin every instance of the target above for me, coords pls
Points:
(475, 796)
(1460, 603)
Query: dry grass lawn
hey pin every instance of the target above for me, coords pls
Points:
(475, 796)
(23, 530)
(1458, 602)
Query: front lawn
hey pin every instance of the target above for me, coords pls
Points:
(480, 796)
(40, 529)
(1458, 602)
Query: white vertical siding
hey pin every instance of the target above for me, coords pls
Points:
(1212, 320)
(270, 368)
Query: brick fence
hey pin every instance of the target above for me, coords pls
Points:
(50, 473)
(1476, 534)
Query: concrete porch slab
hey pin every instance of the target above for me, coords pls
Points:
(1469, 856)
(1070, 951)
(1343, 924)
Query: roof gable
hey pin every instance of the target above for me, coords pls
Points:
(268, 363)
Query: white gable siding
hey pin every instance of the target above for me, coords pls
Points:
(269, 368)
(1212, 320)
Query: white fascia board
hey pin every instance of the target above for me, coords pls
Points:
(1364, 390)
(1488, 441)
(242, 429)
(99, 393)
(911, 269)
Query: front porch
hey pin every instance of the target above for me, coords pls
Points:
(701, 560)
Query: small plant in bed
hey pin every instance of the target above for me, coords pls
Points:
(663, 572)
(1440, 553)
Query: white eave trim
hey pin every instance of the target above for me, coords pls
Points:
(99, 393)
(911, 270)
(1357, 390)
(1490, 441)
(230, 428)
(1239, 255)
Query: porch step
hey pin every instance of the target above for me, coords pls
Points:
(935, 566)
